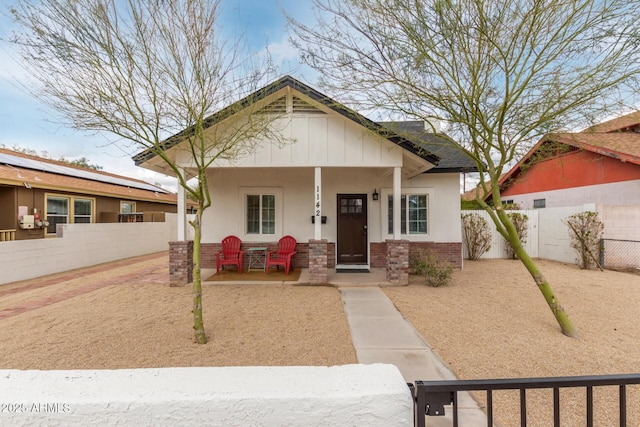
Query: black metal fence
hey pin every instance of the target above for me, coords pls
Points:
(430, 397)
(621, 255)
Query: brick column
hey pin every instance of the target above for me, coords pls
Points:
(180, 263)
(318, 261)
(398, 262)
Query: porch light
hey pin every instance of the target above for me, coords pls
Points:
(375, 194)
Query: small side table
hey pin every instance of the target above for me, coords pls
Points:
(257, 259)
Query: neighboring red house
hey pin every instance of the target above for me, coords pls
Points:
(598, 165)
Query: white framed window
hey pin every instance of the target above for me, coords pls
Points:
(127, 207)
(539, 203)
(82, 211)
(261, 213)
(414, 213)
(57, 209)
(63, 209)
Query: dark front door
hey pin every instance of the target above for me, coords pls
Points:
(352, 229)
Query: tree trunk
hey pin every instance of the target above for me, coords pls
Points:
(198, 324)
(543, 284)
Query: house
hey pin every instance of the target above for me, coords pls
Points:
(598, 165)
(355, 194)
(37, 193)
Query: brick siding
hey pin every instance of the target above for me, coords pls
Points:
(378, 256)
(318, 255)
(450, 252)
(180, 263)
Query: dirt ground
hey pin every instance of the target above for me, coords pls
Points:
(491, 322)
(145, 323)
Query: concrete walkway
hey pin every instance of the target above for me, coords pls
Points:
(382, 335)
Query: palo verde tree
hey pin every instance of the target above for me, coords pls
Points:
(149, 72)
(498, 73)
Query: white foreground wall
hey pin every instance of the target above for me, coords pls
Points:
(351, 395)
(83, 245)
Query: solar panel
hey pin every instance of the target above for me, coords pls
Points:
(77, 173)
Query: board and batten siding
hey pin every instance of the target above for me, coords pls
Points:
(322, 140)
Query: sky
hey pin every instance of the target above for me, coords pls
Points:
(26, 123)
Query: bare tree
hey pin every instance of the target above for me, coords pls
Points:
(151, 73)
(499, 73)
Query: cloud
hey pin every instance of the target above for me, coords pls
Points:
(282, 52)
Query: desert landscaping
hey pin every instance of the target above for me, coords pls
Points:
(490, 322)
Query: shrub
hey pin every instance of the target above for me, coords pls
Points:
(425, 263)
(585, 231)
(521, 222)
(476, 234)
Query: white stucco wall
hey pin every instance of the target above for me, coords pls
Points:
(351, 395)
(295, 189)
(82, 245)
(619, 193)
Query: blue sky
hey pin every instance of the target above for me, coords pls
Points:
(27, 123)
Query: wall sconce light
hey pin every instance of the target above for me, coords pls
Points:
(323, 219)
(375, 194)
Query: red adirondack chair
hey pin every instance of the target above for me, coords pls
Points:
(282, 256)
(230, 254)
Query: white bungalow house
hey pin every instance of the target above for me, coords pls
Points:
(355, 194)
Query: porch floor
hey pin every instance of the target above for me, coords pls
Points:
(375, 277)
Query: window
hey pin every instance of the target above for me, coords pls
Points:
(350, 206)
(127, 207)
(82, 211)
(57, 212)
(67, 210)
(413, 213)
(261, 214)
(539, 203)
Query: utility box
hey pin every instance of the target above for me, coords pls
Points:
(27, 222)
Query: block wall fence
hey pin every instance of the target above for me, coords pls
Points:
(349, 395)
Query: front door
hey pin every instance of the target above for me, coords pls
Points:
(352, 229)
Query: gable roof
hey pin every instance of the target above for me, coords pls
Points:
(620, 124)
(18, 169)
(452, 159)
(413, 146)
(618, 138)
(624, 146)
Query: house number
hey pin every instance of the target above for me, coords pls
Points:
(317, 200)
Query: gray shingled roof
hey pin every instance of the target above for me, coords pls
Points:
(452, 159)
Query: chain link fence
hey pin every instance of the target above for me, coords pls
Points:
(622, 255)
